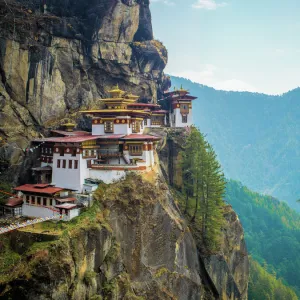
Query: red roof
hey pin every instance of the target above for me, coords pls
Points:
(39, 189)
(42, 185)
(71, 133)
(111, 137)
(15, 201)
(66, 206)
(140, 137)
(159, 111)
(63, 200)
(68, 139)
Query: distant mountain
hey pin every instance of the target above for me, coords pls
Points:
(256, 136)
(272, 233)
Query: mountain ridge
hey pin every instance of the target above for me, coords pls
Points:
(256, 136)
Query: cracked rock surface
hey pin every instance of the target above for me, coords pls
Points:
(59, 58)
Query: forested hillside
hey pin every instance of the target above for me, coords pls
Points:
(255, 136)
(272, 231)
(263, 285)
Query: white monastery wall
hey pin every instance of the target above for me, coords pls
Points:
(37, 211)
(98, 129)
(65, 177)
(73, 213)
(178, 119)
(84, 172)
(122, 129)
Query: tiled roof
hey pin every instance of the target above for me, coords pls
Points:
(159, 111)
(111, 136)
(68, 139)
(140, 137)
(39, 189)
(115, 111)
(66, 206)
(143, 104)
(63, 200)
(71, 133)
(12, 202)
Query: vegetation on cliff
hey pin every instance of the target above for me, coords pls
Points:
(272, 232)
(203, 186)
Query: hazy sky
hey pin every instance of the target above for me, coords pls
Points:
(251, 45)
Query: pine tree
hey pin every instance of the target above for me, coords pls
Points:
(204, 180)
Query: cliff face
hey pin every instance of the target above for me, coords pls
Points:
(58, 58)
(133, 244)
(228, 269)
(137, 246)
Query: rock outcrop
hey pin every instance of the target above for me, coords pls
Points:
(137, 246)
(133, 244)
(228, 269)
(60, 57)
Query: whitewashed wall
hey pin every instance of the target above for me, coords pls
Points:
(178, 119)
(37, 211)
(68, 178)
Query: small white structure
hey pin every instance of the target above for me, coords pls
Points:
(45, 200)
(180, 108)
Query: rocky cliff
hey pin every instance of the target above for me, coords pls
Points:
(133, 244)
(228, 269)
(59, 56)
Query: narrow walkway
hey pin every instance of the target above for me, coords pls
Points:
(27, 223)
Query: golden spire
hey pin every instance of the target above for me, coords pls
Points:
(69, 126)
(115, 92)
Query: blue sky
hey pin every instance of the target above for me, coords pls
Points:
(251, 45)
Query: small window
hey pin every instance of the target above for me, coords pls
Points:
(27, 199)
(73, 151)
(38, 200)
(184, 119)
(89, 163)
(109, 127)
(45, 201)
(135, 150)
(61, 152)
(64, 163)
(50, 201)
(58, 163)
(136, 127)
(145, 122)
(50, 150)
(75, 164)
(70, 164)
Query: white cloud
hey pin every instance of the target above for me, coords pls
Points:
(209, 76)
(208, 4)
(166, 2)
